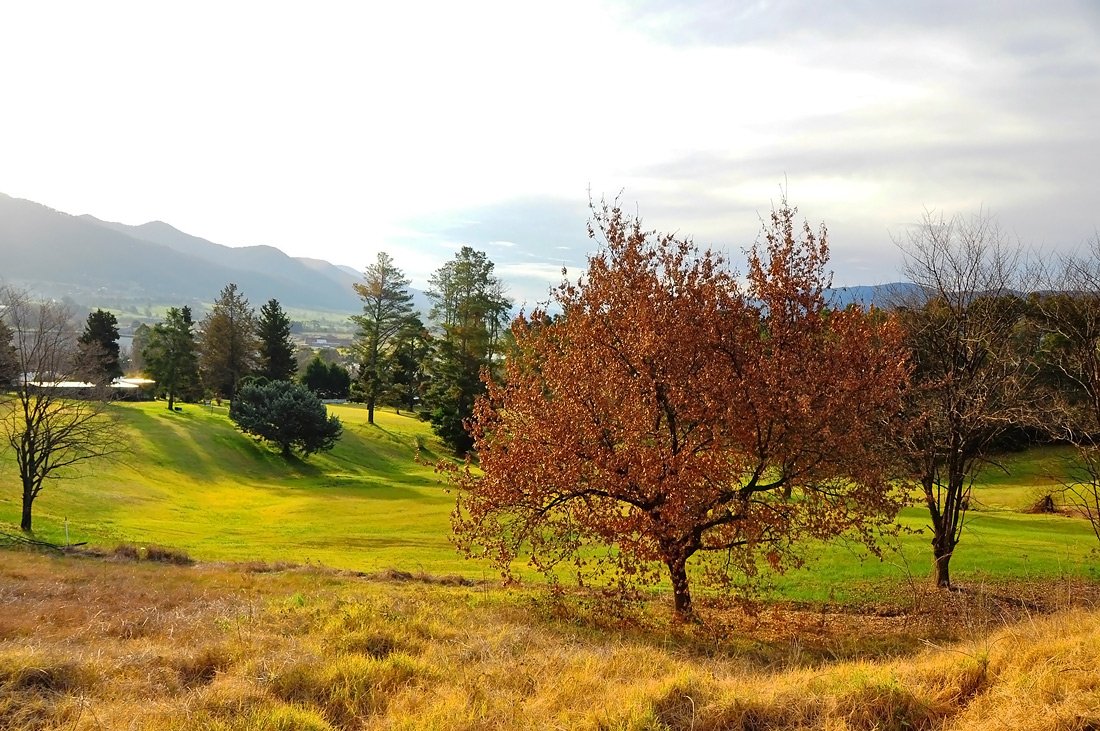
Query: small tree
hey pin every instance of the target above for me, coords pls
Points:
(387, 305)
(287, 414)
(276, 352)
(972, 370)
(669, 415)
(171, 357)
(50, 428)
(99, 343)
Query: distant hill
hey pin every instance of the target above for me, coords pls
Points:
(57, 254)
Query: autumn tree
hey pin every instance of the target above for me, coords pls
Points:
(171, 357)
(99, 343)
(965, 328)
(671, 418)
(228, 342)
(387, 306)
(470, 307)
(275, 361)
(50, 430)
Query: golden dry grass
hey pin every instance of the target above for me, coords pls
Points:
(94, 643)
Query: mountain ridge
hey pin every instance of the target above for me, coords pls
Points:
(59, 254)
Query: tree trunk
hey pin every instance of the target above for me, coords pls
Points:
(942, 562)
(286, 451)
(370, 409)
(681, 592)
(171, 401)
(25, 525)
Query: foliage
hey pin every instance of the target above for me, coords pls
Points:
(407, 363)
(469, 305)
(331, 381)
(287, 414)
(276, 360)
(49, 428)
(171, 357)
(99, 341)
(142, 333)
(387, 308)
(671, 414)
(972, 360)
(228, 342)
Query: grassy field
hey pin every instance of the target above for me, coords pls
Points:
(192, 481)
(107, 644)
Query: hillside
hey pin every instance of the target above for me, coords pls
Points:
(81, 257)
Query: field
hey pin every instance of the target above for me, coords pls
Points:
(326, 595)
(191, 481)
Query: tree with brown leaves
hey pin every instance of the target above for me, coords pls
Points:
(672, 419)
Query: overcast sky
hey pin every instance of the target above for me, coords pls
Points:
(336, 130)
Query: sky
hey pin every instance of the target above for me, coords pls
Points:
(340, 129)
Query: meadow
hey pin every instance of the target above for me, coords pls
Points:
(191, 481)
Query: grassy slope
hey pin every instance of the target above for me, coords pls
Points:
(194, 482)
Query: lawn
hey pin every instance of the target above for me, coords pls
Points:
(191, 481)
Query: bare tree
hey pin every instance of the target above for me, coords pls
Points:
(51, 424)
(966, 329)
(1069, 318)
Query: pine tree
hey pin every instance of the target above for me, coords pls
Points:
(171, 357)
(277, 361)
(470, 307)
(387, 306)
(228, 342)
(99, 353)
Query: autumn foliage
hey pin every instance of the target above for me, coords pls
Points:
(671, 414)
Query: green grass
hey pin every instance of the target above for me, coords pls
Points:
(192, 481)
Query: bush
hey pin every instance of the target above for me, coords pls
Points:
(287, 414)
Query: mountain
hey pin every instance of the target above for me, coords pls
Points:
(57, 255)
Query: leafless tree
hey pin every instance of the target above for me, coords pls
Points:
(50, 425)
(1069, 317)
(966, 329)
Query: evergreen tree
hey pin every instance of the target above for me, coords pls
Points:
(407, 364)
(276, 362)
(172, 359)
(99, 353)
(326, 380)
(287, 414)
(228, 342)
(142, 333)
(387, 305)
(470, 307)
(9, 358)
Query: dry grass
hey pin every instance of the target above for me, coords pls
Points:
(89, 643)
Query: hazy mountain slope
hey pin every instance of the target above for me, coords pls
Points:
(57, 254)
(314, 275)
